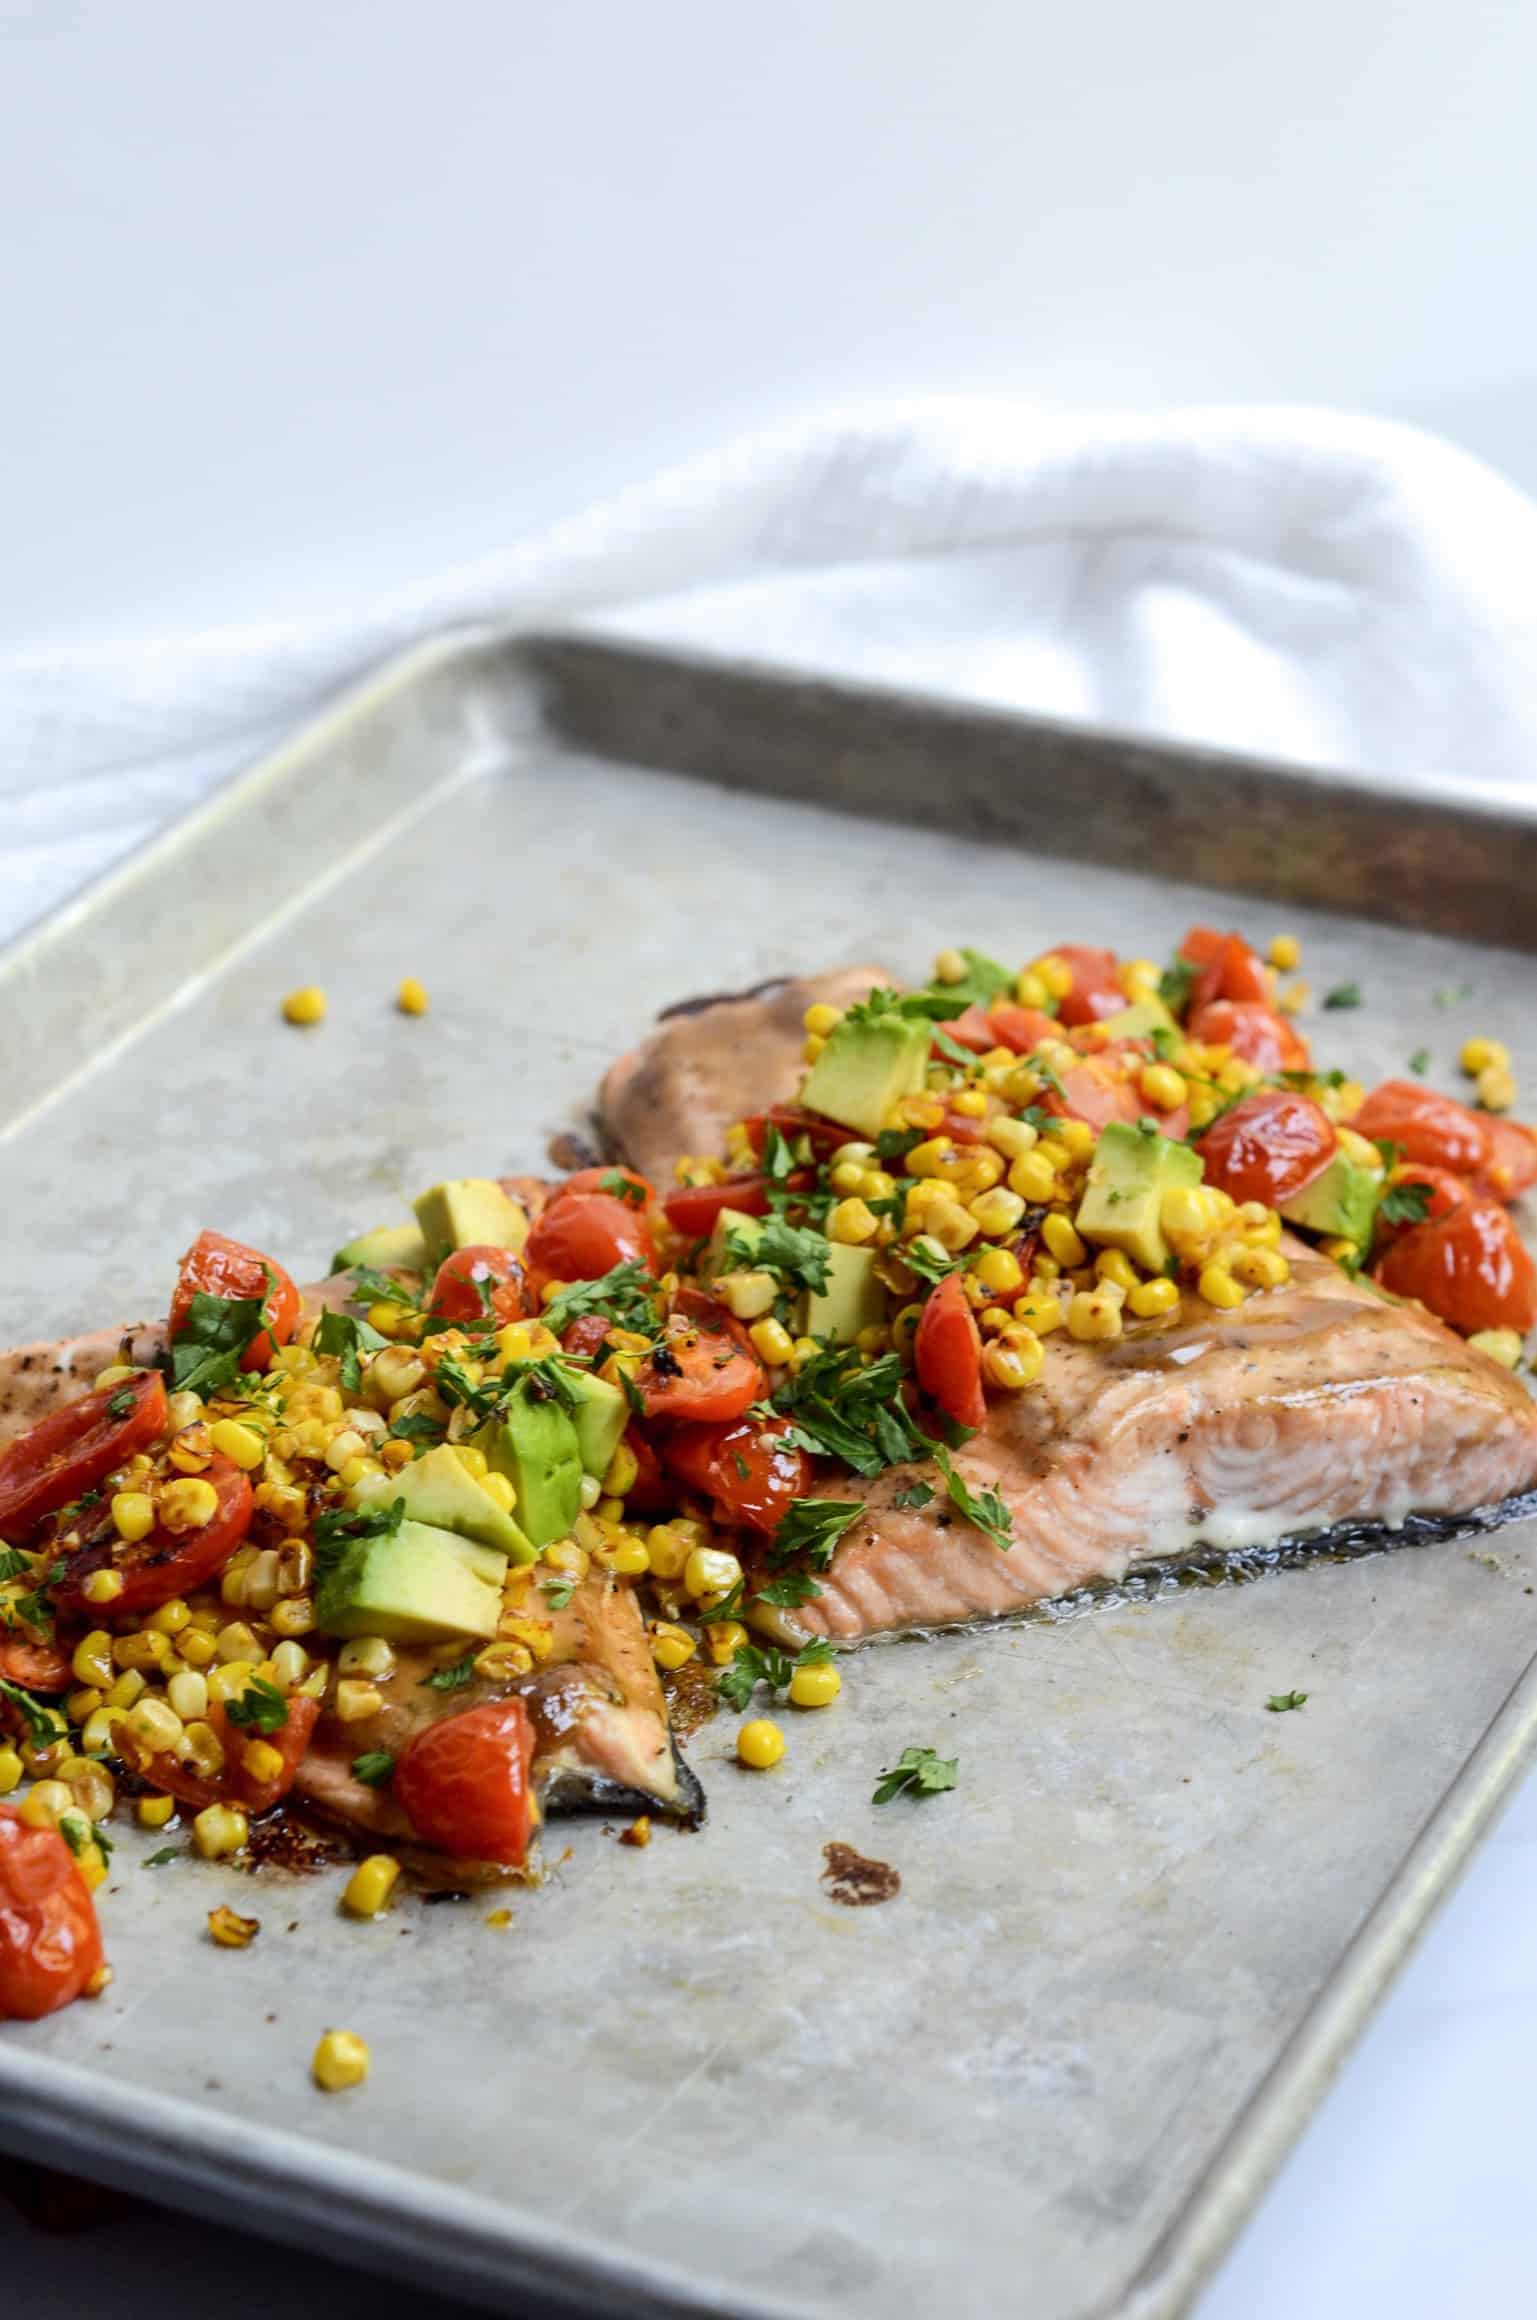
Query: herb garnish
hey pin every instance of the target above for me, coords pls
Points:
(932, 1263)
(1405, 1204)
(123, 1402)
(790, 1592)
(813, 1527)
(1343, 995)
(625, 1296)
(917, 1772)
(261, 1707)
(43, 1726)
(724, 1607)
(1177, 982)
(983, 982)
(753, 1666)
(622, 1187)
(557, 1592)
(14, 1565)
(347, 1338)
(416, 1426)
(452, 1679)
(166, 1853)
(843, 1409)
(370, 1287)
(374, 1768)
(338, 1527)
(792, 1253)
(1419, 1062)
(1279, 1702)
(914, 1494)
(206, 1349)
(984, 1508)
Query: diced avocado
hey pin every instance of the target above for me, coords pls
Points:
(439, 1489)
(730, 1224)
(470, 1212)
(854, 1298)
(600, 1417)
(534, 1442)
(1342, 1201)
(1140, 1020)
(868, 1064)
(398, 1245)
(1131, 1171)
(421, 1585)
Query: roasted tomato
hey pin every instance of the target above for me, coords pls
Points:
(1512, 1167)
(1468, 1265)
(947, 1353)
(464, 1784)
(165, 1562)
(973, 1029)
(1230, 969)
(35, 1665)
(50, 1942)
(1426, 1127)
(236, 1784)
(1268, 1147)
(823, 1137)
(1104, 1087)
(622, 1183)
(650, 1492)
(693, 1208)
(586, 1235)
(479, 1284)
(1257, 1033)
(68, 1452)
(1021, 1028)
(586, 1336)
(747, 1468)
(704, 1369)
(1442, 1193)
(216, 1267)
(1096, 990)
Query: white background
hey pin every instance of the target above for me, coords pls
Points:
(303, 300)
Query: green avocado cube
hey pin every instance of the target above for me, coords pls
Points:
(420, 1585)
(439, 1489)
(731, 1224)
(600, 1417)
(398, 1247)
(1122, 1204)
(854, 1298)
(1341, 1200)
(868, 1065)
(1140, 1020)
(534, 1442)
(470, 1212)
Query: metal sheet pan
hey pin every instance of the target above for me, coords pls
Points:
(1135, 1942)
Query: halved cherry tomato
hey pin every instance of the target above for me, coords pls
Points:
(50, 1942)
(1512, 1167)
(479, 1284)
(1269, 1146)
(1469, 1266)
(37, 1667)
(972, 1029)
(1104, 1087)
(164, 1563)
(693, 1208)
(947, 1353)
(1021, 1028)
(586, 1335)
(1443, 1192)
(216, 1267)
(704, 1368)
(1096, 990)
(464, 1783)
(746, 1468)
(1258, 1034)
(823, 1136)
(1201, 945)
(236, 1783)
(1230, 969)
(67, 1453)
(586, 1235)
(1427, 1127)
(624, 1184)
(650, 1492)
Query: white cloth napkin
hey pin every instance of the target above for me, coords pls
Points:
(1310, 585)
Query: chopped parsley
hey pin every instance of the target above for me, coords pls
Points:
(914, 1494)
(14, 1565)
(931, 1263)
(206, 1349)
(625, 1296)
(1405, 1204)
(1279, 1702)
(790, 1592)
(416, 1426)
(885, 1005)
(794, 1254)
(843, 1408)
(347, 1338)
(166, 1853)
(1419, 1062)
(724, 1607)
(1343, 995)
(622, 1187)
(983, 982)
(339, 1527)
(374, 1768)
(753, 1666)
(952, 1050)
(813, 1527)
(370, 1287)
(984, 1508)
(1177, 982)
(451, 1679)
(123, 1402)
(43, 1726)
(261, 1707)
(557, 1592)
(1165, 1042)
(917, 1772)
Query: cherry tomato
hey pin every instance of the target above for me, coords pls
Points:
(216, 1267)
(1425, 1126)
(1104, 1087)
(67, 1453)
(823, 1136)
(1443, 1191)
(1021, 1028)
(464, 1783)
(586, 1235)
(36, 1666)
(1269, 1146)
(650, 1492)
(1229, 970)
(163, 1563)
(1201, 945)
(704, 1368)
(479, 1284)
(50, 1942)
(972, 1029)
(623, 1183)
(947, 1353)
(1512, 1167)
(1468, 1266)
(236, 1783)
(746, 1468)
(693, 1208)
(1096, 990)
(1257, 1033)
(586, 1336)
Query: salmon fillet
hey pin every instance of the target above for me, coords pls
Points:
(714, 1060)
(1312, 1405)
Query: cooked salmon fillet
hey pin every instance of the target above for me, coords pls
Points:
(1311, 1405)
(713, 1061)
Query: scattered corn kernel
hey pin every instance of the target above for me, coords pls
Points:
(1114, 1265)
(240, 1444)
(133, 1518)
(999, 1270)
(852, 1223)
(220, 1830)
(12, 1771)
(1496, 1087)
(230, 1930)
(1285, 952)
(816, 1685)
(822, 1019)
(1062, 1240)
(760, 1744)
(1032, 1177)
(306, 1005)
(671, 1646)
(368, 1889)
(155, 1812)
(1162, 1085)
(188, 1504)
(339, 2061)
(411, 997)
(1014, 1360)
(356, 1701)
(92, 1660)
(997, 1212)
(710, 1572)
(1478, 1054)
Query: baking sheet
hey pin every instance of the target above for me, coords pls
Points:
(1133, 1943)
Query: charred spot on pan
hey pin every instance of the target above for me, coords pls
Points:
(721, 999)
(281, 1841)
(857, 1881)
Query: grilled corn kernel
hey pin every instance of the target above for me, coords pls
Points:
(356, 1701)
(343, 1448)
(1063, 1241)
(1093, 1316)
(760, 1744)
(187, 1693)
(588, 1492)
(240, 1444)
(1501, 1345)
(236, 1644)
(504, 1662)
(852, 1223)
(83, 1702)
(156, 1726)
(203, 1752)
(367, 1655)
(188, 1504)
(183, 1408)
(133, 1516)
(1218, 1286)
(1478, 1054)
(96, 1734)
(196, 1648)
(771, 1341)
(710, 1572)
(91, 1785)
(628, 1556)
(92, 1660)
(970, 1102)
(1162, 1085)
(1152, 1298)
(621, 1471)
(411, 997)
(1032, 1177)
(999, 1270)
(12, 1771)
(45, 1802)
(155, 1812)
(1285, 951)
(1114, 1265)
(119, 1374)
(367, 1891)
(573, 1561)
(1496, 1087)
(306, 1005)
(230, 1930)
(1039, 1310)
(296, 1567)
(671, 1646)
(1013, 1360)
(1258, 1268)
(997, 1212)
(339, 2061)
(169, 1618)
(1011, 1138)
(146, 1650)
(191, 1450)
(816, 1685)
(723, 1639)
(219, 1830)
(262, 1762)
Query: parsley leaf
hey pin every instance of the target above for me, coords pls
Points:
(917, 1772)
(557, 1592)
(43, 1725)
(123, 1402)
(885, 1005)
(983, 982)
(1419, 1062)
(724, 1607)
(1177, 982)
(915, 1494)
(416, 1426)
(1343, 995)
(166, 1853)
(1405, 1204)
(845, 1409)
(788, 1593)
(984, 1508)
(813, 1527)
(792, 1253)
(339, 1527)
(374, 1768)
(14, 1565)
(1279, 1702)
(622, 1187)
(261, 1707)
(753, 1666)
(452, 1679)
(206, 1350)
(625, 1295)
(952, 1050)
(778, 1159)
(931, 1261)
(347, 1338)
(370, 1287)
